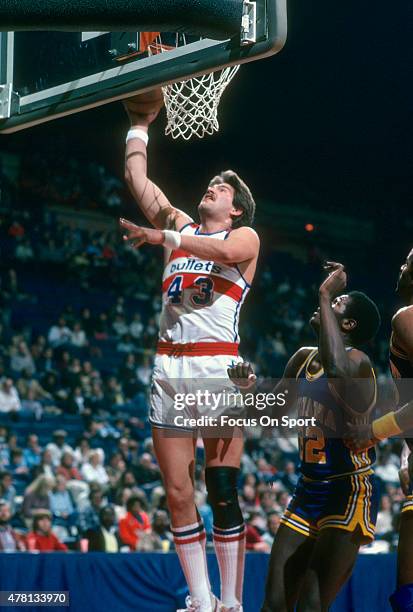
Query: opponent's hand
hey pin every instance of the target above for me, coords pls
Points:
(137, 235)
(242, 375)
(359, 437)
(336, 280)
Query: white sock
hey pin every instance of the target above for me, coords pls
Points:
(190, 548)
(230, 551)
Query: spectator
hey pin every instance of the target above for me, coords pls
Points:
(36, 496)
(93, 470)
(76, 403)
(21, 359)
(42, 539)
(32, 406)
(10, 540)
(81, 453)
(106, 537)
(384, 525)
(7, 490)
(290, 477)
(120, 326)
(273, 524)
(254, 540)
(59, 335)
(67, 468)
(147, 471)
(17, 466)
(46, 465)
(134, 524)
(126, 344)
(58, 446)
(144, 371)
(32, 451)
(136, 327)
(9, 398)
(89, 516)
(27, 383)
(78, 338)
(62, 505)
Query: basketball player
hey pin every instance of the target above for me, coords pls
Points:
(205, 281)
(401, 366)
(333, 510)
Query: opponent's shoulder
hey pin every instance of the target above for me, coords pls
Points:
(402, 317)
(361, 363)
(297, 360)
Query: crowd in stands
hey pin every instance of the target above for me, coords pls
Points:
(78, 326)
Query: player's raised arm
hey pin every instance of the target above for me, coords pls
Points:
(142, 111)
(334, 356)
(242, 245)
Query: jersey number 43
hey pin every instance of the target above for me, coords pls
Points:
(202, 290)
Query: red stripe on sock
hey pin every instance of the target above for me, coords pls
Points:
(240, 536)
(197, 538)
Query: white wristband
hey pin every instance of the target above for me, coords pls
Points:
(172, 239)
(137, 133)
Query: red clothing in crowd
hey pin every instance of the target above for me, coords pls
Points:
(130, 526)
(44, 543)
(69, 473)
(252, 537)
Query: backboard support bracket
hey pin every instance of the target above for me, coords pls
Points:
(249, 23)
(9, 101)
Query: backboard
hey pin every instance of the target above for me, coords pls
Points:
(49, 74)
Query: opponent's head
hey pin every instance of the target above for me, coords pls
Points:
(357, 315)
(228, 199)
(405, 280)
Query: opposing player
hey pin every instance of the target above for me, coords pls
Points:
(205, 281)
(391, 424)
(333, 510)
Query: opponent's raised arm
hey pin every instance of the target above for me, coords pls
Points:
(142, 111)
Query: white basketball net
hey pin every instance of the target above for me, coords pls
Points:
(192, 105)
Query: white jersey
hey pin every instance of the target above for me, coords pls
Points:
(201, 299)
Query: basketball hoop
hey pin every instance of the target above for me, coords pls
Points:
(192, 105)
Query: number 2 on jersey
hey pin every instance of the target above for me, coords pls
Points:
(201, 296)
(312, 444)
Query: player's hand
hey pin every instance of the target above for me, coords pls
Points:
(359, 437)
(144, 108)
(242, 375)
(137, 235)
(336, 280)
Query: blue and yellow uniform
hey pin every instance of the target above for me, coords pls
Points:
(337, 486)
(401, 369)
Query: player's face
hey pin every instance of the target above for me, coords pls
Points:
(338, 305)
(405, 280)
(218, 200)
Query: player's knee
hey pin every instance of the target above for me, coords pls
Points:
(309, 598)
(179, 495)
(222, 489)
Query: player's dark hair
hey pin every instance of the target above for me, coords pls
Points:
(365, 312)
(242, 199)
